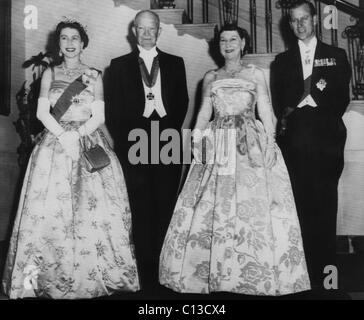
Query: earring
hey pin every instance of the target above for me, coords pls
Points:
(60, 53)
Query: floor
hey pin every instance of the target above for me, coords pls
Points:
(350, 278)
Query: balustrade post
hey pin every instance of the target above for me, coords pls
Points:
(190, 10)
(205, 11)
(319, 22)
(236, 12)
(268, 22)
(354, 34)
(334, 37)
(229, 10)
(253, 25)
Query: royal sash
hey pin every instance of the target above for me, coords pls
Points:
(65, 100)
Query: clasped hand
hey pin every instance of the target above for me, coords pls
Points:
(70, 143)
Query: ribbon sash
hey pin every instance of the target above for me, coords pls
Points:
(149, 78)
(65, 100)
(306, 88)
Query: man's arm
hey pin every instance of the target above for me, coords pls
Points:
(342, 88)
(112, 100)
(182, 93)
(277, 89)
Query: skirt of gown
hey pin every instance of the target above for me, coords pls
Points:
(71, 236)
(235, 226)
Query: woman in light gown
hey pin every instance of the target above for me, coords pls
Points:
(71, 237)
(235, 226)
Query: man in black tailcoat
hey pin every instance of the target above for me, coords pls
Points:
(148, 93)
(310, 90)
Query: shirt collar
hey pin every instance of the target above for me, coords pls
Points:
(311, 45)
(147, 53)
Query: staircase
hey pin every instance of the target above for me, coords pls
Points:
(178, 18)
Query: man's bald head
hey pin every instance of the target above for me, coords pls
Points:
(147, 29)
(148, 14)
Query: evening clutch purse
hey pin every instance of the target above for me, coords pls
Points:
(94, 155)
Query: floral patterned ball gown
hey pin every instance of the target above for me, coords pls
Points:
(71, 237)
(235, 226)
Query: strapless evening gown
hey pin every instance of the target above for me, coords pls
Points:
(71, 236)
(235, 226)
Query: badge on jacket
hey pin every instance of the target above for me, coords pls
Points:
(321, 85)
(325, 62)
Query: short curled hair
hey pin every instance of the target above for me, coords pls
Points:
(73, 25)
(243, 34)
(300, 3)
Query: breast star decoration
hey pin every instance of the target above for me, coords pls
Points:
(321, 85)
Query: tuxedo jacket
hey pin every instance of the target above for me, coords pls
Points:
(127, 96)
(329, 88)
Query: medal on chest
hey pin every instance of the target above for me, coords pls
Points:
(307, 60)
(150, 95)
(149, 79)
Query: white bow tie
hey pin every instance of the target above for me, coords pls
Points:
(147, 54)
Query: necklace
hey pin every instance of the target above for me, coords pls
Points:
(71, 73)
(233, 72)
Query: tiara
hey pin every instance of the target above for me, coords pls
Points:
(72, 20)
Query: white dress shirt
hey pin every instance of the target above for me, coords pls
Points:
(157, 103)
(307, 58)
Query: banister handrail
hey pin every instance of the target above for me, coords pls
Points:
(228, 12)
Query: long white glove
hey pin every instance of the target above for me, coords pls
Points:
(96, 120)
(46, 118)
(68, 139)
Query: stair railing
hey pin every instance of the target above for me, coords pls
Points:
(355, 36)
(229, 13)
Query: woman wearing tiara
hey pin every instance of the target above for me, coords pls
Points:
(235, 226)
(71, 237)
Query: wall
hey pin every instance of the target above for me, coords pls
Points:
(244, 21)
(351, 185)
(9, 140)
(107, 24)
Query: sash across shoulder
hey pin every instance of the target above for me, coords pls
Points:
(65, 100)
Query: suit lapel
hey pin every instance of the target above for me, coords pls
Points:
(135, 74)
(164, 76)
(297, 63)
(296, 74)
(134, 82)
(315, 70)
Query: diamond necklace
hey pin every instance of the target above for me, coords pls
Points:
(70, 73)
